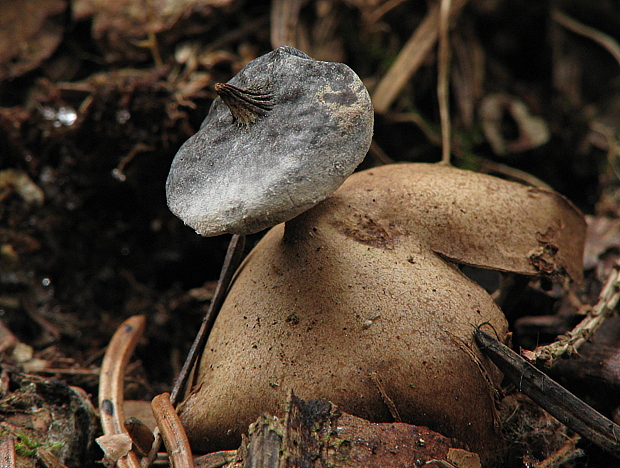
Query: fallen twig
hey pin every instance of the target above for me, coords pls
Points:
(233, 257)
(571, 341)
(231, 262)
(111, 383)
(607, 42)
(172, 432)
(551, 396)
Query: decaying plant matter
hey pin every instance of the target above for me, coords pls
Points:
(116, 442)
(318, 433)
(569, 343)
(551, 396)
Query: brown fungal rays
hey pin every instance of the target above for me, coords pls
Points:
(245, 105)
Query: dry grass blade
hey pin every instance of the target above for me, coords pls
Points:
(411, 57)
(608, 42)
(172, 432)
(111, 382)
(408, 61)
(284, 18)
(443, 82)
(570, 342)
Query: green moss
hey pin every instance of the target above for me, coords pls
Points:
(27, 447)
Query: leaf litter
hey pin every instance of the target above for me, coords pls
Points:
(94, 109)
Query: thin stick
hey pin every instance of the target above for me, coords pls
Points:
(233, 257)
(284, 19)
(609, 43)
(443, 83)
(231, 262)
(571, 341)
(551, 396)
(411, 57)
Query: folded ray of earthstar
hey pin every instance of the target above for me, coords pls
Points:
(283, 134)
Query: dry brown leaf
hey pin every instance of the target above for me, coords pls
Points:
(114, 446)
(463, 458)
(30, 31)
(126, 29)
(141, 410)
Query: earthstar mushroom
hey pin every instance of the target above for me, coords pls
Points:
(284, 133)
(359, 301)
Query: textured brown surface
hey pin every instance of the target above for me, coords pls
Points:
(352, 304)
(473, 218)
(317, 434)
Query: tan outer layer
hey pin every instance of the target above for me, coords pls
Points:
(354, 294)
(473, 218)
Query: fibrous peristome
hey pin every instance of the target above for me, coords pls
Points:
(352, 303)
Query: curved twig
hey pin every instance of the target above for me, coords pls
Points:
(111, 382)
(172, 432)
(570, 342)
(443, 80)
(604, 40)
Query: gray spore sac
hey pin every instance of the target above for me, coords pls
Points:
(288, 132)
